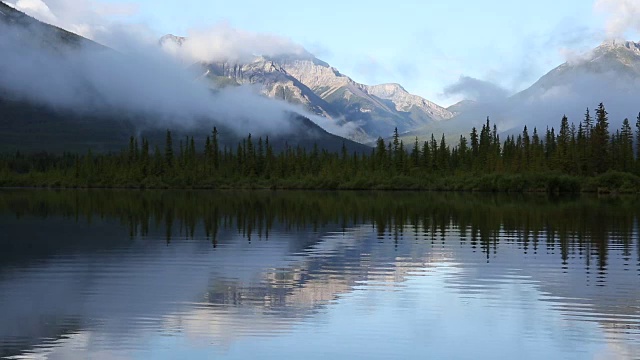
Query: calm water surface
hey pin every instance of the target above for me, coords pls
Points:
(313, 275)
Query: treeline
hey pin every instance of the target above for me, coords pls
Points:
(586, 157)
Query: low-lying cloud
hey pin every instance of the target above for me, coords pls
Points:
(88, 18)
(223, 42)
(545, 104)
(622, 16)
(477, 90)
(153, 86)
(140, 79)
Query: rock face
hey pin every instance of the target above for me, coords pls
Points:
(406, 102)
(29, 124)
(323, 90)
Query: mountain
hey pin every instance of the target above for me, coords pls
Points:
(323, 90)
(610, 74)
(612, 63)
(18, 25)
(37, 123)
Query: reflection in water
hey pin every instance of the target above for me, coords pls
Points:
(376, 275)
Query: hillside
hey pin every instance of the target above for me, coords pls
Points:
(305, 80)
(42, 122)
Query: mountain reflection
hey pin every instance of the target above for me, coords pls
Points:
(227, 265)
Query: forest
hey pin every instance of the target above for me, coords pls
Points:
(587, 157)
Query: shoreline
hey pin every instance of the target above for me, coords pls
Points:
(606, 184)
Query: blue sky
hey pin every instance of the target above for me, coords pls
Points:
(424, 45)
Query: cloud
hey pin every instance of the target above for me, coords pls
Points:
(147, 84)
(92, 19)
(37, 9)
(142, 81)
(223, 42)
(564, 93)
(622, 16)
(474, 89)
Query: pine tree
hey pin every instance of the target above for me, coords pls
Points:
(381, 154)
(638, 144)
(396, 143)
(600, 141)
(145, 159)
(269, 158)
(132, 150)
(474, 142)
(463, 149)
(443, 152)
(426, 156)
(587, 125)
(434, 153)
(168, 150)
(260, 155)
(415, 154)
(215, 151)
(563, 142)
(526, 149)
(626, 146)
(537, 151)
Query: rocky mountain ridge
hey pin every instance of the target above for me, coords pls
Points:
(322, 89)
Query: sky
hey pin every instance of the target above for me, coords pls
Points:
(425, 45)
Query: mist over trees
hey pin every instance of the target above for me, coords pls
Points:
(537, 159)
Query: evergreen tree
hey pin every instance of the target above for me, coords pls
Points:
(396, 143)
(638, 144)
(381, 154)
(475, 145)
(168, 150)
(600, 140)
(626, 146)
(587, 125)
(269, 158)
(526, 149)
(426, 156)
(434, 153)
(215, 151)
(415, 154)
(443, 152)
(563, 143)
(463, 149)
(145, 159)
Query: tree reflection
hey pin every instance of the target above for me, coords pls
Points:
(585, 226)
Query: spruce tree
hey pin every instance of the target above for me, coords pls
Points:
(415, 154)
(626, 146)
(563, 142)
(168, 150)
(474, 142)
(600, 141)
(638, 143)
(381, 154)
(215, 151)
(426, 156)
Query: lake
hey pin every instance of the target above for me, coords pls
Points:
(317, 275)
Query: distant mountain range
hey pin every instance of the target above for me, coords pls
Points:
(323, 90)
(28, 124)
(609, 74)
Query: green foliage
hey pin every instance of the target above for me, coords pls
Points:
(586, 159)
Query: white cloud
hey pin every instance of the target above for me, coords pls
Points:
(474, 89)
(622, 16)
(223, 42)
(92, 19)
(37, 9)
